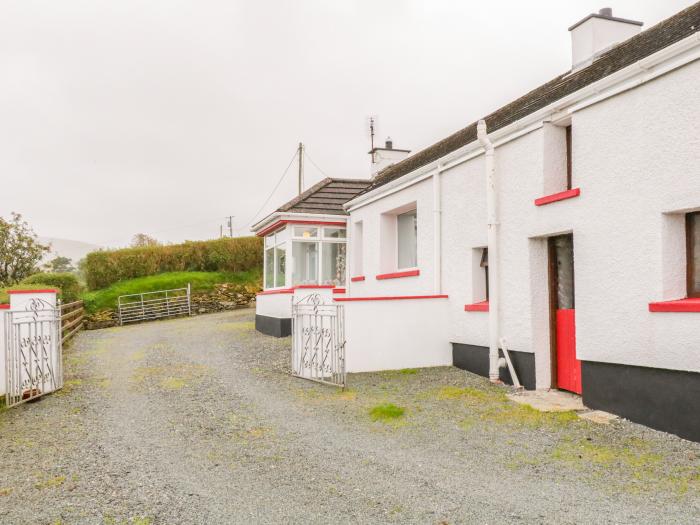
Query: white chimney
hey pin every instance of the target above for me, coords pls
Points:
(597, 33)
(386, 156)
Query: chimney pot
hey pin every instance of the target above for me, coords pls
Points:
(389, 144)
(606, 11)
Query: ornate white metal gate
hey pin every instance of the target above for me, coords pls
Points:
(33, 360)
(318, 340)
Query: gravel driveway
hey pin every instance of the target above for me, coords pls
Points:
(197, 421)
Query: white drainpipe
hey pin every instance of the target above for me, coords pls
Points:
(494, 282)
(437, 234)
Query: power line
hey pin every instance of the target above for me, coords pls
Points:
(249, 222)
(315, 165)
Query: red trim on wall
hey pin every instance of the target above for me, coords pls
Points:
(357, 278)
(397, 275)
(563, 195)
(391, 298)
(281, 223)
(338, 290)
(273, 292)
(311, 286)
(483, 306)
(679, 305)
(48, 290)
(4, 306)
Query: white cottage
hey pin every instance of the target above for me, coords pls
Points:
(565, 226)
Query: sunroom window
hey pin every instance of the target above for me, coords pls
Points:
(275, 257)
(318, 255)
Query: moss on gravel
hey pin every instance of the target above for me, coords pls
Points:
(386, 412)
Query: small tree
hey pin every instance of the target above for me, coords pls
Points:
(141, 239)
(60, 264)
(20, 252)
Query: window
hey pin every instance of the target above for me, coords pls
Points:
(318, 255)
(270, 267)
(568, 158)
(334, 233)
(305, 256)
(692, 231)
(306, 232)
(484, 265)
(275, 257)
(407, 239)
(357, 247)
(333, 263)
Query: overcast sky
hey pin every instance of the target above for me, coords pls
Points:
(163, 117)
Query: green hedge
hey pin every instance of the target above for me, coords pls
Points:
(67, 283)
(239, 254)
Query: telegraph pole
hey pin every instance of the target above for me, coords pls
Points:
(230, 225)
(221, 231)
(300, 154)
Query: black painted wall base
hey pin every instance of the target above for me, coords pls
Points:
(475, 359)
(274, 326)
(667, 400)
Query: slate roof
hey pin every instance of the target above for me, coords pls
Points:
(663, 34)
(326, 197)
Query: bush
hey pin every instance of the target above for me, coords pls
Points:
(67, 283)
(240, 254)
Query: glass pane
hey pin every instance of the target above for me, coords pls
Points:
(334, 233)
(333, 263)
(281, 236)
(307, 232)
(407, 225)
(695, 240)
(305, 263)
(564, 247)
(270, 268)
(280, 256)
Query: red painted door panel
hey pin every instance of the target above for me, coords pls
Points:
(568, 367)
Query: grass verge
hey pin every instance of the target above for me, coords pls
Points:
(106, 298)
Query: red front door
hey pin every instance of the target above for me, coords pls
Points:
(567, 368)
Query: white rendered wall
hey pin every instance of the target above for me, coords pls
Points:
(390, 335)
(635, 159)
(274, 305)
(371, 217)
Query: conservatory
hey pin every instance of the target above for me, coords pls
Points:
(316, 255)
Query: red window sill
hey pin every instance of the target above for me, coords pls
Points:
(680, 305)
(556, 197)
(338, 290)
(4, 306)
(397, 275)
(389, 298)
(357, 278)
(483, 306)
(273, 292)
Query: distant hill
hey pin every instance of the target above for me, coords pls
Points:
(74, 250)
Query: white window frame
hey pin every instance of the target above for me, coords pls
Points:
(319, 239)
(404, 212)
(279, 237)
